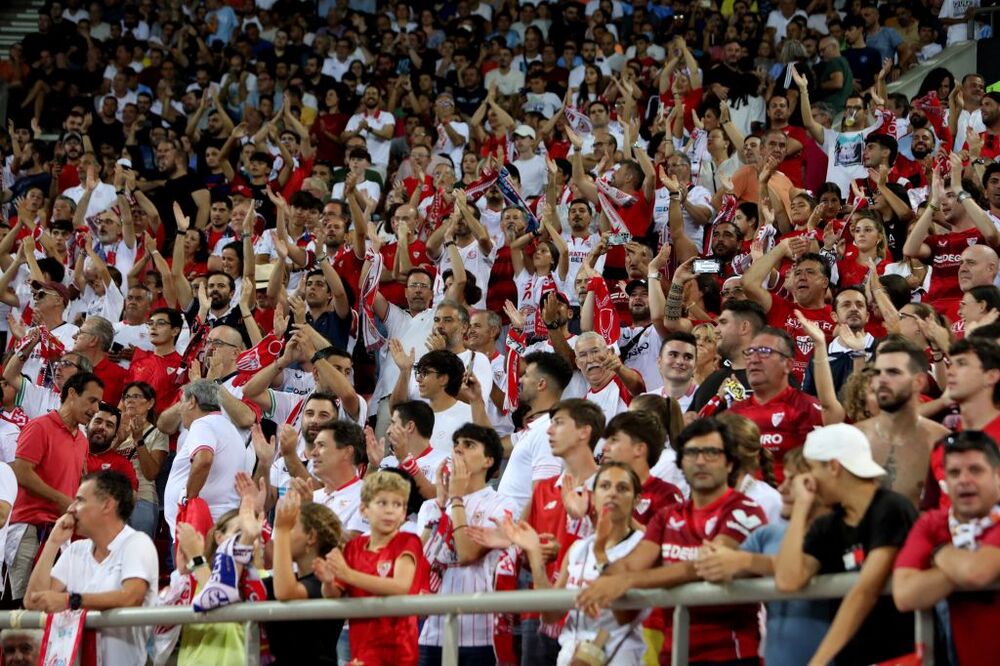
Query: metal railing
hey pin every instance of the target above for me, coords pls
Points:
(452, 606)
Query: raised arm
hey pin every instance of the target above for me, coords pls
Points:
(815, 129)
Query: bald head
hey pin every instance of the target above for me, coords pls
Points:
(978, 267)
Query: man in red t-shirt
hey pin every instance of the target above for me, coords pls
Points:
(636, 439)
(807, 281)
(715, 513)
(161, 367)
(635, 181)
(960, 548)
(785, 415)
(101, 433)
(968, 226)
(49, 463)
(575, 428)
(778, 112)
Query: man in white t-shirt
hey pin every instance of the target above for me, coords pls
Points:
(48, 303)
(507, 80)
(545, 377)
(530, 165)
(453, 132)
(375, 125)
(409, 446)
(112, 566)
(439, 375)
(208, 458)
(338, 451)
(640, 343)
(954, 14)
(604, 372)
(476, 249)
(676, 362)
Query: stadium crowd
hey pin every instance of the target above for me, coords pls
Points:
(361, 298)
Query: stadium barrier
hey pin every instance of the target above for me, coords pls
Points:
(681, 599)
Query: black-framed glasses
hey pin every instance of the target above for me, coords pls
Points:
(711, 453)
(420, 373)
(763, 352)
(134, 396)
(220, 343)
(156, 323)
(62, 364)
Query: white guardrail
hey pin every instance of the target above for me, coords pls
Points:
(751, 590)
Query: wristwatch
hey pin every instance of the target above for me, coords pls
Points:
(75, 601)
(962, 196)
(196, 561)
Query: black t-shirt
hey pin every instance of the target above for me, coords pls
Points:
(180, 190)
(841, 548)
(303, 642)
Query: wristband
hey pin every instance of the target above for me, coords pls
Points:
(653, 276)
(196, 561)
(409, 465)
(326, 352)
(75, 601)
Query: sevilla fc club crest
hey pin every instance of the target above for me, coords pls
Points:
(804, 343)
(777, 418)
(971, 241)
(383, 568)
(643, 505)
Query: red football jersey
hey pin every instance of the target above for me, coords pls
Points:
(784, 422)
(718, 633)
(547, 515)
(395, 292)
(656, 495)
(385, 640)
(782, 315)
(946, 253)
(974, 616)
(116, 462)
(160, 372)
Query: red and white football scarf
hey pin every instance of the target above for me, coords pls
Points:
(261, 355)
(612, 201)
(516, 346)
(578, 121)
(606, 320)
(373, 337)
(727, 211)
(487, 179)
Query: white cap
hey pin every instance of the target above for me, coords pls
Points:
(845, 444)
(524, 130)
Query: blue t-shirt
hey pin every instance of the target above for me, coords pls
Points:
(885, 41)
(794, 628)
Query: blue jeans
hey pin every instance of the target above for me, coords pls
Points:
(537, 649)
(430, 655)
(144, 518)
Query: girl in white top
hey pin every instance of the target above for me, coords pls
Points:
(616, 491)
(754, 461)
(547, 271)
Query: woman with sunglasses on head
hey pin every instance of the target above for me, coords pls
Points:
(146, 448)
(616, 492)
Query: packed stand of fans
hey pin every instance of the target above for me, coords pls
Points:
(371, 299)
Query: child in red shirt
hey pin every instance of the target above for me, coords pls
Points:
(383, 563)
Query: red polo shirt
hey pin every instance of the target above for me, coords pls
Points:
(58, 455)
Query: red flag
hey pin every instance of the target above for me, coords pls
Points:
(606, 320)
(262, 354)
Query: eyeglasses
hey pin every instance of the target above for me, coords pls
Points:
(155, 323)
(39, 294)
(419, 285)
(62, 364)
(134, 396)
(420, 373)
(763, 352)
(711, 453)
(219, 343)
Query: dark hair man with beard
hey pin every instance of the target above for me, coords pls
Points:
(900, 438)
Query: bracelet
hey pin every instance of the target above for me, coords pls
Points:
(449, 243)
(653, 276)
(457, 500)
(457, 528)
(933, 207)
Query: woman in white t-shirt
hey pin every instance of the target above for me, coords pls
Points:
(616, 492)
(546, 272)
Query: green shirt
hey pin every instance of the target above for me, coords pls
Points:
(836, 98)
